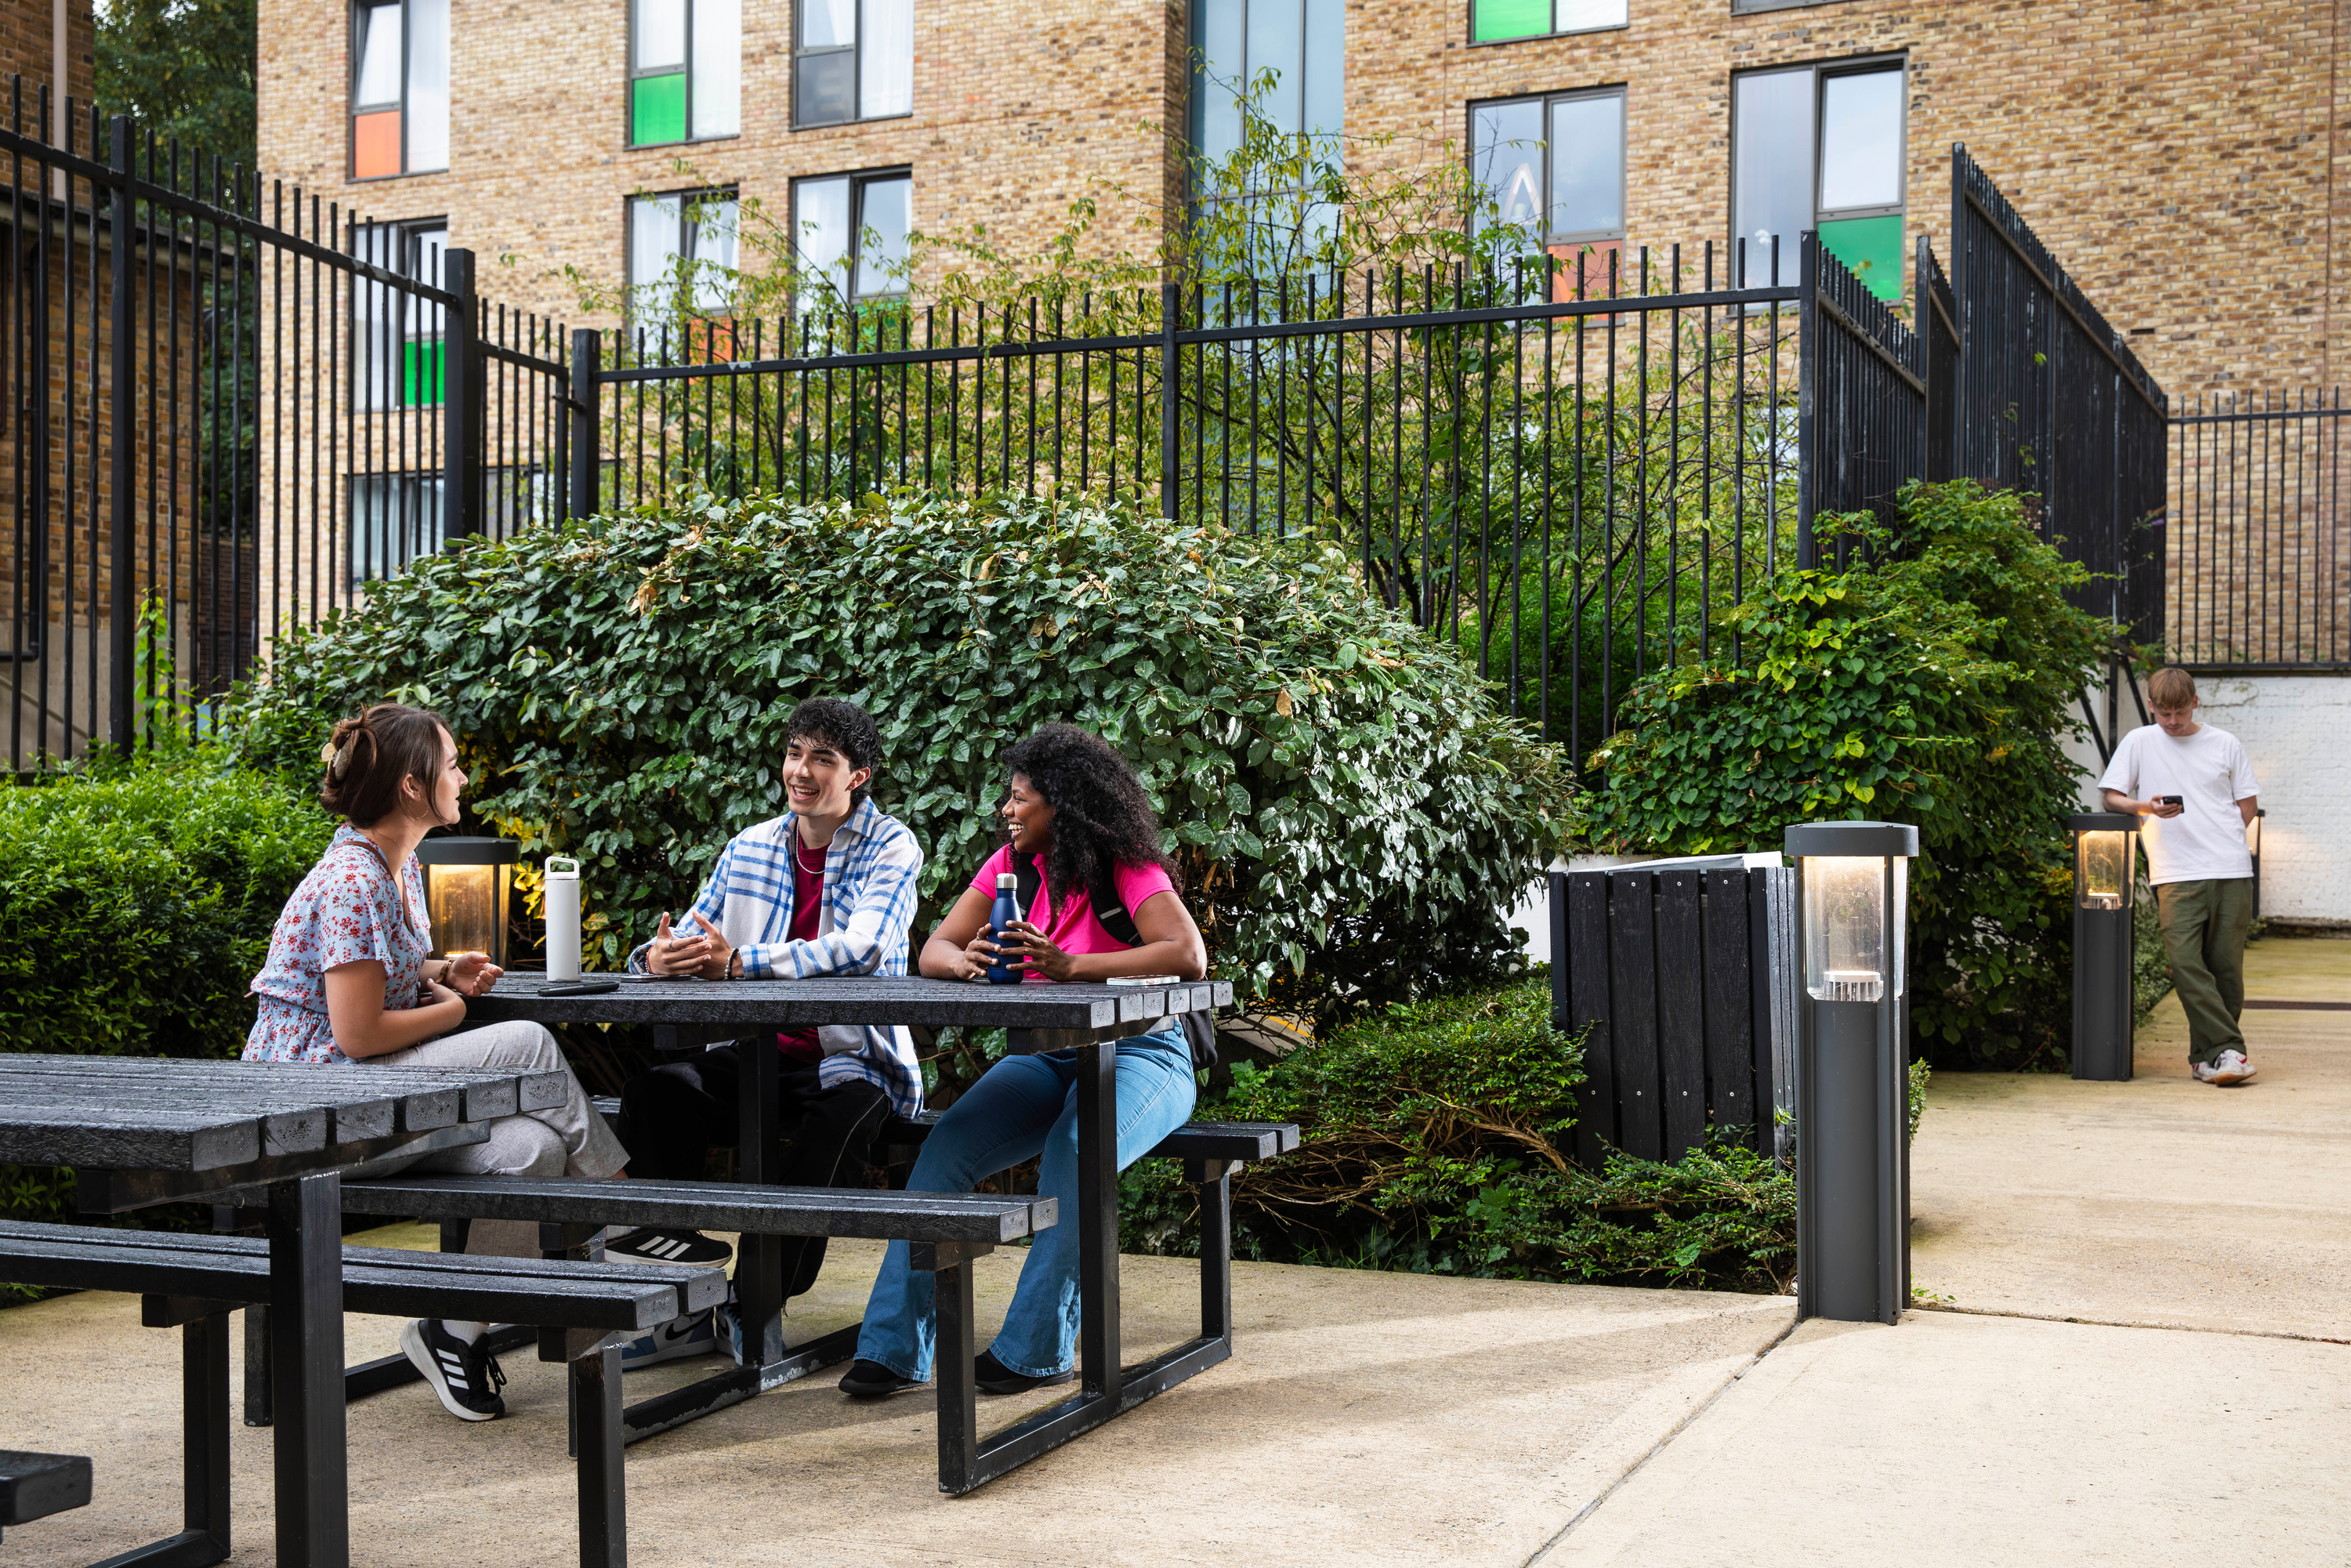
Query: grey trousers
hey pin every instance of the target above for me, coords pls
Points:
(570, 1139)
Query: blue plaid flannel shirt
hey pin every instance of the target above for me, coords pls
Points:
(870, 875)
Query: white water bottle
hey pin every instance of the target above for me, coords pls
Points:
(562, 893)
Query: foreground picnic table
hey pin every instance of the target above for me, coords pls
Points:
(688, 1014)
(144, 1130)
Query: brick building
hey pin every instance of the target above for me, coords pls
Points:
(2183, 159)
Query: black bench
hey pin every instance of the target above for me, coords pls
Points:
(585, 1308)
(1211, 1152)
(34, 1486)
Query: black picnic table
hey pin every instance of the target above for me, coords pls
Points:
(688, 1014)
(141, 1131)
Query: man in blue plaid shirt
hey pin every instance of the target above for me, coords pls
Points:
(828, 888)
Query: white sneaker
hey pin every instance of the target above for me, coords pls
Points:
(673, 1341)
(2230, 1070)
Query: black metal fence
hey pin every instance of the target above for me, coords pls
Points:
(260, 403)
(2259, 573)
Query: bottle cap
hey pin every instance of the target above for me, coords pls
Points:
(1006, 881)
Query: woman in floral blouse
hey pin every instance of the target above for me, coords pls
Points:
(348, 982)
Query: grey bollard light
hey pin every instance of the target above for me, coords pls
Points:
(2106, 854)
(1853, 1147)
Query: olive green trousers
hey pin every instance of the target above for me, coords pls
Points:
(2204, 925)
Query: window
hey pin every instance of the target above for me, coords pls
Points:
(395, 517)
(1820, 148)
(1302, 41)
(1555, 167)
(685, 70)
(853, 60)
(681, 256)
(851, 232)
(1495, 21)
(400, 89)
(398, 361)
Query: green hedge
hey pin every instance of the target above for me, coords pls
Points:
(135, 903)
(1351, 816)
(1932, 685)
(1437, 1138)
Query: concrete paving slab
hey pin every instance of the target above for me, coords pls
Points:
(1997, 1441)
(1368, 1417)
(2162, 1200)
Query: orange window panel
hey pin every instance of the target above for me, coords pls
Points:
(375, 144)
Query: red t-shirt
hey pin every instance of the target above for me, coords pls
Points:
(1074, 929)
(800, 1047)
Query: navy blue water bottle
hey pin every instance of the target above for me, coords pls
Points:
(1000, 917)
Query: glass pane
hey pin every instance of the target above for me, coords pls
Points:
(1872, 248)
(821, 220)
(422, 262)
(714, 254)
(657, 109)
(1770, 171)
(375, 316)
(376, 82)
(395, 517)
(882, 243)
(718, 67)
(1325, 68)
(1277, 42)
(2102, 875)
(1577, 16)
(1845, 927)
(1491, 19)
(654, 229)
(1506, 158)
(1218, 125)
(828, 24)
(1587, 165)
(661, 34)
(428, 85)
(885, 60)
(375, 144)
(824, 88)
(1861, 140)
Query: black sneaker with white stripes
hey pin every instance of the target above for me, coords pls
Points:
(466, 1376)
(659, 1244)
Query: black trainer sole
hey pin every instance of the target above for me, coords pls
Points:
(1019, 1385)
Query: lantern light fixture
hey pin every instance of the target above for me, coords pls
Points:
(468, 884)
(2106, 869)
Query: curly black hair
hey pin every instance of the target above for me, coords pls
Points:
(844, 726)
(1102, 817)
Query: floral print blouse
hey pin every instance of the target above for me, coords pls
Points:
(344, 912)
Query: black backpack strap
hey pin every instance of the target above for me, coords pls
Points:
(1026, 890)
(1111, 910)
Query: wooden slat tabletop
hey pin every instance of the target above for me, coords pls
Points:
(844, 1000)
(162, 1115)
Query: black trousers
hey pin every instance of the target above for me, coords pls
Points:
(672, 1116)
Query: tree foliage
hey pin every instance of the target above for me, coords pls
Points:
(185, 69)
(1929, 683)
(1350, 815)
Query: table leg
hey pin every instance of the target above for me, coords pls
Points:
(1098, 1347)
(306, 1349)
(758, 1158)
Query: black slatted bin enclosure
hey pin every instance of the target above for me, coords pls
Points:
(2106, 850)
(1852, 1152)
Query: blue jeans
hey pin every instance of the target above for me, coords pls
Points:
(1023, 1107)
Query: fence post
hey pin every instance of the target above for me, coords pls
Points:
(123, 407)
(586, 418)
(461, 402)
(1808, 417)
(1171, 457)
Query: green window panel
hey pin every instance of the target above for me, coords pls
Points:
(1872, 248)
(1498, 19)
(657, 109)
(419, 374)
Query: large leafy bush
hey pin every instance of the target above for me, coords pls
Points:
(1350, 816)
(1437, 1138)
(1929, 685)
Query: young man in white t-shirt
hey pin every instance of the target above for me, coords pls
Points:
(2195, 786)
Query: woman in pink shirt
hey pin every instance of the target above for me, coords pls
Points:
(1078, 814)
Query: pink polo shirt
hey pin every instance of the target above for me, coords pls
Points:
(1074, 929)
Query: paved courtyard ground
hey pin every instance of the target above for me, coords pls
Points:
(1389, 1418)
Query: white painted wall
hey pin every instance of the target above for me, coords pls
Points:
(2297, 730)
